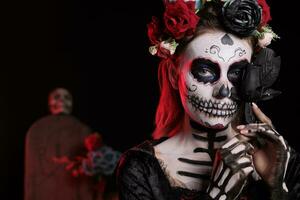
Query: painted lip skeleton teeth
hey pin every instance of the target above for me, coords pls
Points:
(213, 108)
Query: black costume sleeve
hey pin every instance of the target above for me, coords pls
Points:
(293, 176)
(132, 178)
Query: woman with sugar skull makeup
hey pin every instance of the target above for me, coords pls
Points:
(214, 64)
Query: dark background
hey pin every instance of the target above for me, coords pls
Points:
(99, 51)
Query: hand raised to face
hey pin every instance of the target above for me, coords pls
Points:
(271, 152)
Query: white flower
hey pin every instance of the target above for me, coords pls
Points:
(266, 39)
(169, 45)
(153, 50)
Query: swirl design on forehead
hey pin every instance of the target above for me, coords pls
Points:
(239, 51)
(214, 49)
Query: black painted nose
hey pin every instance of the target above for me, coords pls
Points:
(223, 92)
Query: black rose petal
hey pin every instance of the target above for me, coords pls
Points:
(259, 76)
(241, 17)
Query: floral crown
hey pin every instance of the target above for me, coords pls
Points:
(243, 18)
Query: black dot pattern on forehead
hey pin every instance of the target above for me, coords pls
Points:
(226, 40)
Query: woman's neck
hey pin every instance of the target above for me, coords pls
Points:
(193, 135)
(188, 156)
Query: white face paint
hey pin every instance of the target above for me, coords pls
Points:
(60, 102)
(210, 66)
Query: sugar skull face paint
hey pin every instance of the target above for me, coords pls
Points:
(210, 66)
(60, 101)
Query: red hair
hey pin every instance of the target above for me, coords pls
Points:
(169, 112)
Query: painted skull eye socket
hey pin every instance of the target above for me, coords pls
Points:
(56, 96)
(236, 71)
(235, 74)
(205, 70)
(67, 97)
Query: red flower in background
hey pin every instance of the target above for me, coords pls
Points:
(93, 141)
(266, 15)
(98, 163)
(180, 18)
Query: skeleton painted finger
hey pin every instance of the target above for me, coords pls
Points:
(251, 129)
(232, 166)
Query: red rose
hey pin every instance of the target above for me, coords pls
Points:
(266, 15)
(75, 173)
(154, 31)
(180, 18)
(93, 141)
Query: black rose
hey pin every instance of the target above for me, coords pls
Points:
(241, 17)
(257, 78)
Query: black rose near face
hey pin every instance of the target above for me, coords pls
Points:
(241, 17)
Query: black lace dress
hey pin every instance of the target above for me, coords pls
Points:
(141, 177)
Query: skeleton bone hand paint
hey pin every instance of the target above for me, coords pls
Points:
(232, 166)
(60, 101)
(210, 66)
